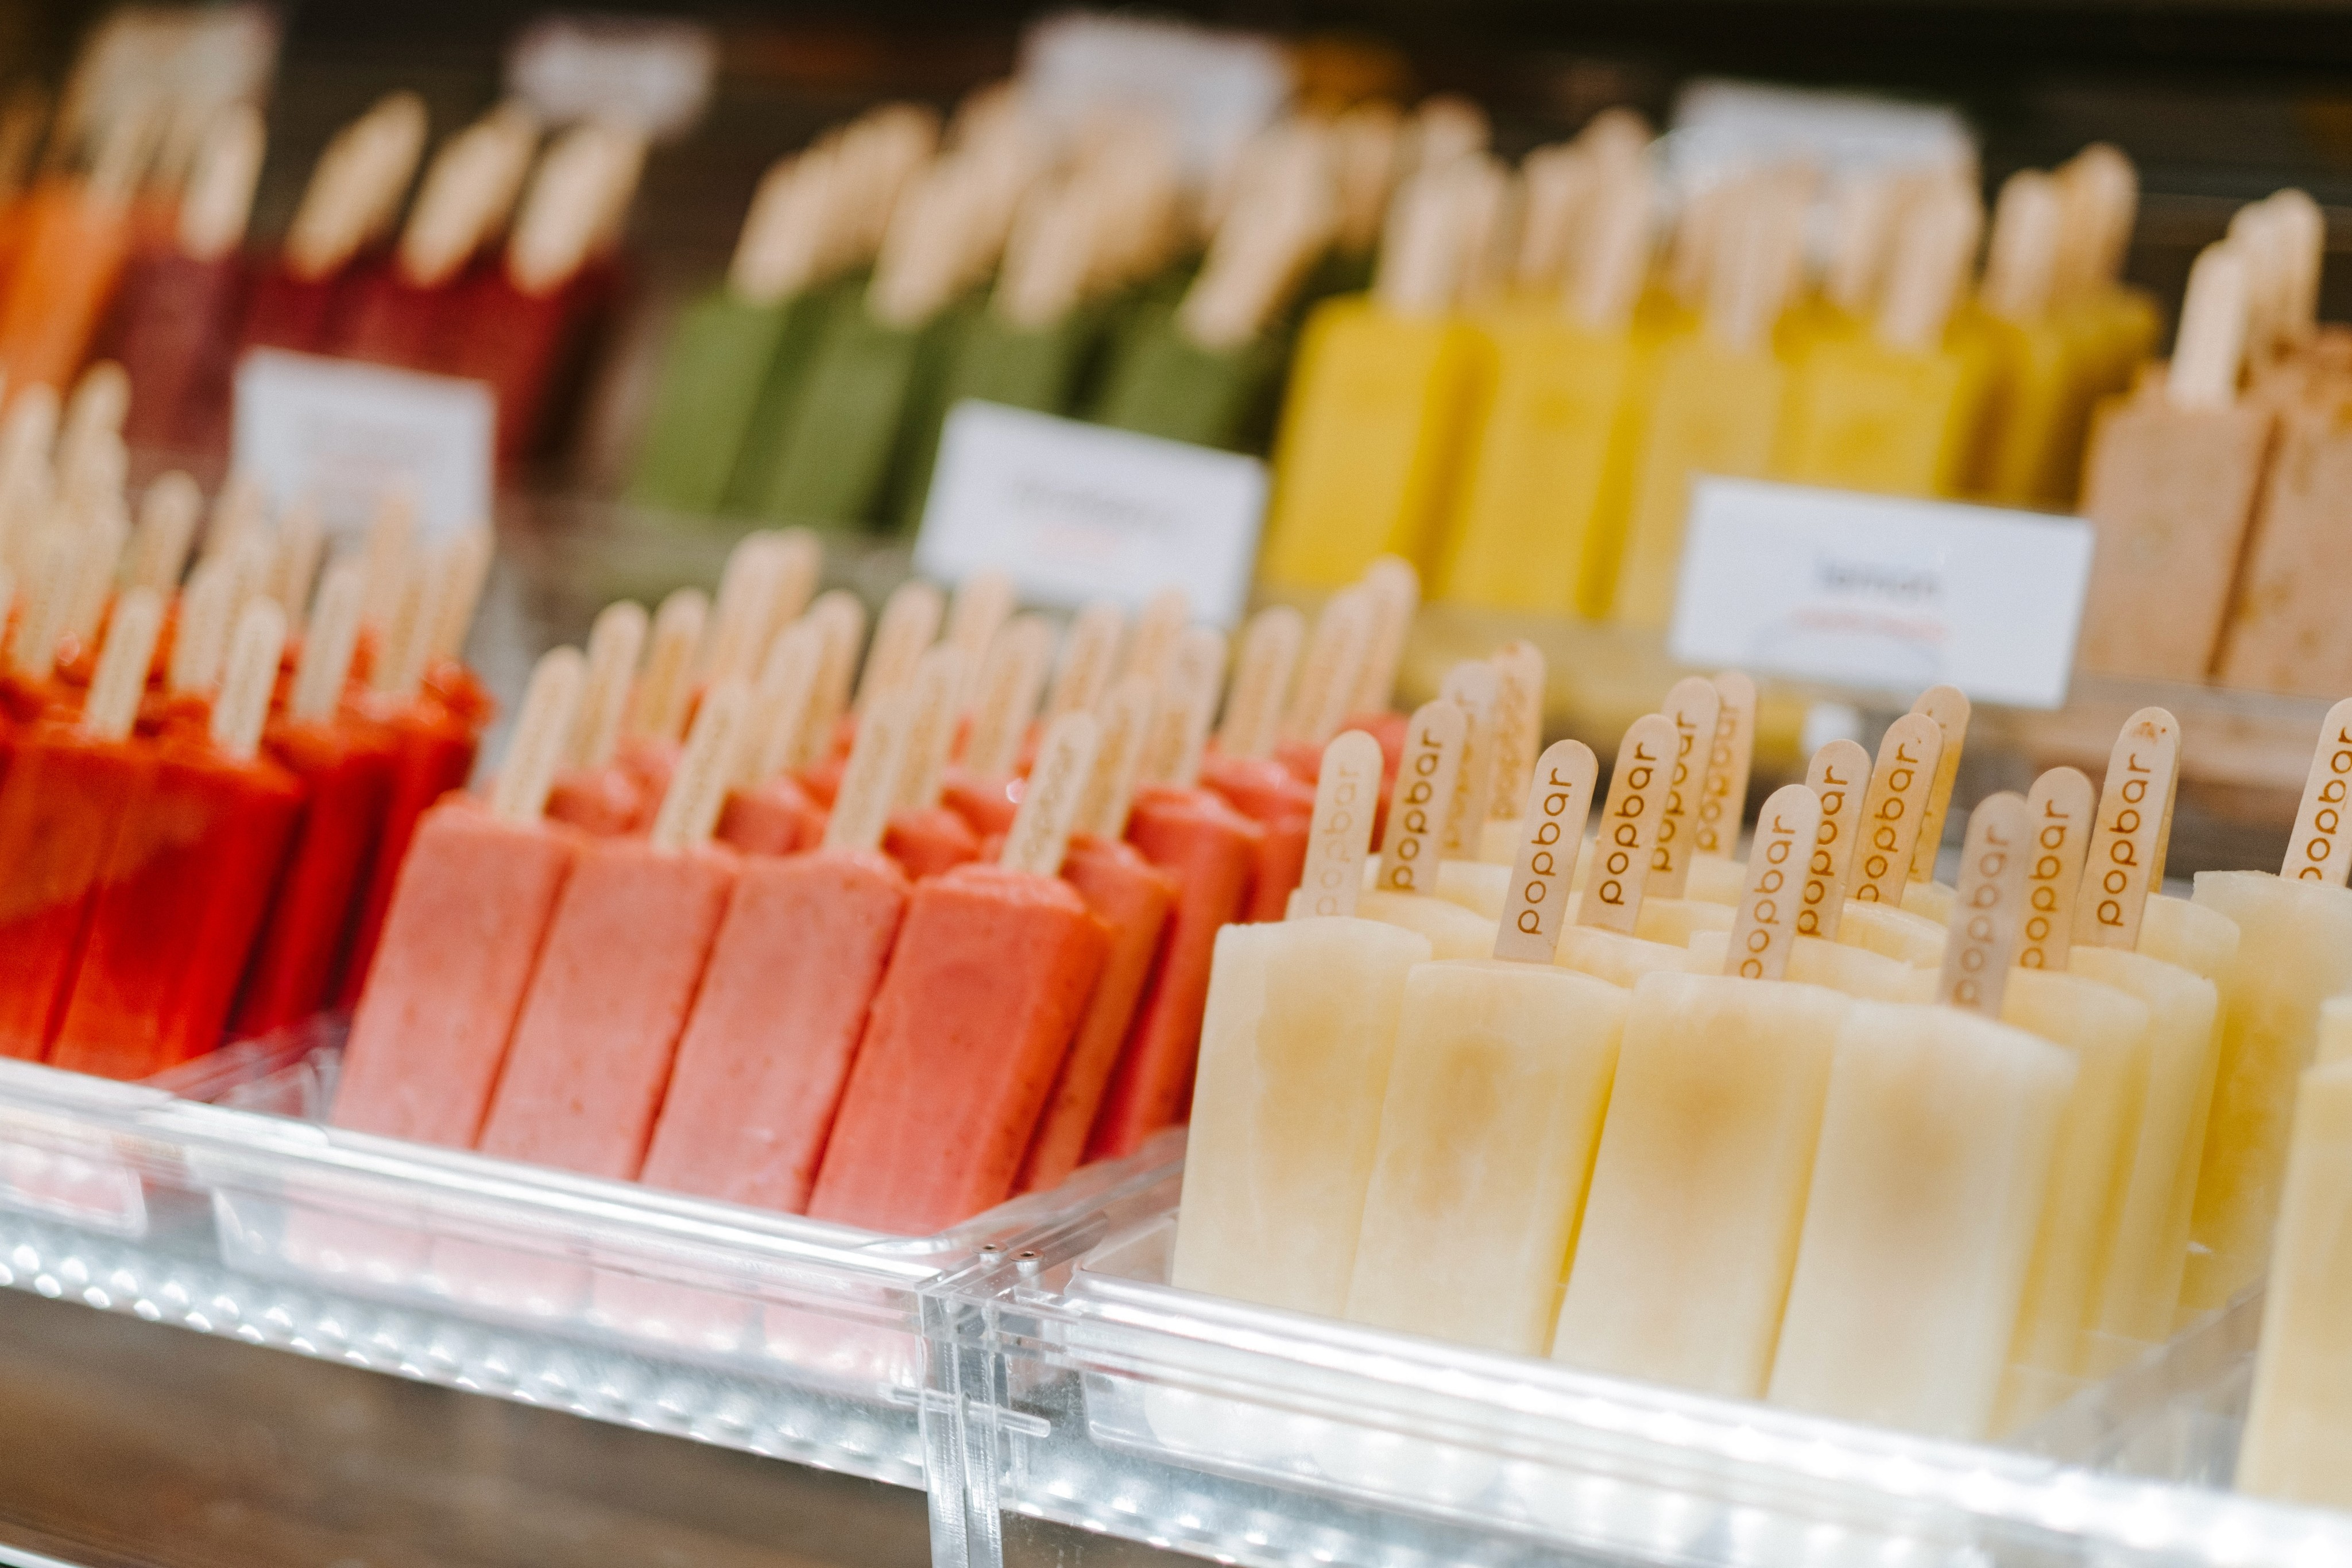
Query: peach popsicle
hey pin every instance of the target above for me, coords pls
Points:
(2294, 951)
(616, 975)
(476, 893)
(1698, 1188)
(984, 992)
(784, 1000)
(1294, 1057)
(1937, 1142)
(1494, 1106)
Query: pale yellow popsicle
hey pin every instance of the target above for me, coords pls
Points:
(1856, 971)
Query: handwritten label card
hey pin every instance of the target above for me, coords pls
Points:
(345, 432)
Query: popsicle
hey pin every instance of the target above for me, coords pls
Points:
(70, 783)
(344, 766)
(354, 192)
(1601, 938)
(983, 996)
(1380, 391)
(476, 891)
(2038, 392)
(1698, 1188)
(1928, 1182)
(2294, 951)
(592, 793)
(784, 1000)
(78, 235)
(1295, 1058)
(2171, 484)
(1494, 1108)
(187, 878)
(625, 949)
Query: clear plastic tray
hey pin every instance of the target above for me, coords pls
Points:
(767, 1333)
(1096, 1395)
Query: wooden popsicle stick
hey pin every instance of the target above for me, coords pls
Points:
(1475, 688)
(861, 808)
(99, 556)
(735, 645)
(1364, 142)
(1196, 673)
(1929, 269)
(1156, 630)
(2321, 850)
(982, 605)
(2253, 238)
(1422, 250)
(1040, 835)
(200, 638)
(1613, 261)
(801, 565)
(1693, 705)
(217, 201)
(1426, 786)
(1764, 932)
(2210, 345)
(1325, 693)
(2059, 815)
(787, 694)
(1891, 810)
(1394, 590)
(1519, 726)
(301, 544)
(698, 787)
(2301, 232)
(569, 201)
(1628, 825)
(465, 570)
(1839, 774)
(543, 733)
(41, 612)
(1723, 797)
(400, 651)
(1006, 697)
(249, 680)
(1270, 649)
(467, 192)
(356, 186)
(27, 434)
(1557, 803)
(909, 625)
(389, 543)
(2125, 858)
(2021, 262)
(930, 728)
(119, 679)
(101, 397)
(1089, 654)
(1862, 229)
(1948, 706)
(841, 616)
(778, 250)
(1989, 908)
(1125, 713)
(664, 690)
(614, 642)
(327, 644)
(1346, 794)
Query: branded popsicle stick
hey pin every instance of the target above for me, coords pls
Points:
(909, 623)
(1694, 705)
(1475, 688)
(542, 731)
(1764, 932)
(200, 638)
(1327, 680)
(250, 678)
(841, 617)
(1426, 786)
(1040, 829)
(1628, 825)
(665, 688)
(614, 642)
(698, 788)
(1156, 630)
(1518, 726)
(1900, 785)
(861, 808)
(2321, 850)
(2126, 859)
(1988, 910)
(1839, 774)
(1270, 653)
(930, 728)
(781, 704)
(120, 678)
(1345, 789)
(2059, 815)
(1089, 653)
(301, 544)
(328, 642)
(1125, 713)
(1395, 592)
(1004, 698)
(1723, 795)
(1948, 706)
(1557, 803)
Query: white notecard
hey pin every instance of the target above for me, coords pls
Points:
(345, 432)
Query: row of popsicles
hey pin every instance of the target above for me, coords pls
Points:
(1730, 1145)
(723, 929)
(498, 274)
(200, 816)
(2216, 486)
(882, 276)
(1531, 437)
